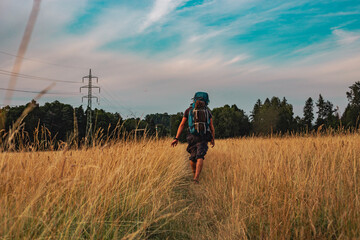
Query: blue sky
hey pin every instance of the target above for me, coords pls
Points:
(151, 56)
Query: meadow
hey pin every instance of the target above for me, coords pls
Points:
(296, 187)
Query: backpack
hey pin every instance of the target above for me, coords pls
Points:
(199, 114)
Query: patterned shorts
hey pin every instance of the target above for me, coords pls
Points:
(197, 147)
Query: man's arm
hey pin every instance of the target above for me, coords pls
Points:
(180, 129)
(212, 129)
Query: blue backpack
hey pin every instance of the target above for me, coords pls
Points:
(199, 114)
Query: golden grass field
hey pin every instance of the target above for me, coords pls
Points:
(251, 188)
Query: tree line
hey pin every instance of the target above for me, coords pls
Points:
(271, 116)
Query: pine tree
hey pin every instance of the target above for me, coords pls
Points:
(354, 94)
(351, 114)
(320, 104)
(326, 113)
(308, 113)
(256, 110)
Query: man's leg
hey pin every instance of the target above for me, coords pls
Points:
(192, 149)
(198, 167)
(193, 167)
(202, 148)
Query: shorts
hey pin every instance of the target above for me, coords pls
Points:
(197, 147)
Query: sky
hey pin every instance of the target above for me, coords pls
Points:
(151, 56)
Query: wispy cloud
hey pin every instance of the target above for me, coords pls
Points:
(339, 14)
(346, 37)
(160, 9)
(206, 36)
(236, 59)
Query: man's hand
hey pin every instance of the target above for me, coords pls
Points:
(174, 143)
(212, 142)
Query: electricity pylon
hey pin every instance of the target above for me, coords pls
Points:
(89, 97)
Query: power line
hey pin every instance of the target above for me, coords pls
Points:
(111, 104)
(41, 61)
(115, 105)
(116, 100)
(29, 91)
(9, 73)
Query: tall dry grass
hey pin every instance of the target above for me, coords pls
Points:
(130, 190)
(253, 188)
(298, 188)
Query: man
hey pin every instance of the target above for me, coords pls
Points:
(201, 131)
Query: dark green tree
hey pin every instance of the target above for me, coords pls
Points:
(159, 121)
(256, 109)
(354, 94)
(286, 122)
(105, 120)
(308, 113)
(351, 116)
(58, 118)
(321, 113)
(273, 116)
(175, 121)
(80, 121)
(230, 122)
(325, 113)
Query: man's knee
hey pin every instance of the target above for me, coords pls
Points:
(201, 150)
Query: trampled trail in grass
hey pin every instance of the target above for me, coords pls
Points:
(256, 188)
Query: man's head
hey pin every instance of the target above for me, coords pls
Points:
(202, 96)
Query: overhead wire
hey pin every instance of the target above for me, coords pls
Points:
(117, 101)
(112, 102)
(113, 97)
(32, 77)
(30, 91)
(9, 73)
(41, 61)
(109, 103)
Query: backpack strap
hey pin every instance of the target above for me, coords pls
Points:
(191, 118)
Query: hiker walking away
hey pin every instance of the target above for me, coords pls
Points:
(201, 131)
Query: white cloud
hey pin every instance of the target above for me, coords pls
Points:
(206, 36)
(160, 9)
(236, 59)
(346, 37)
(337, 14)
